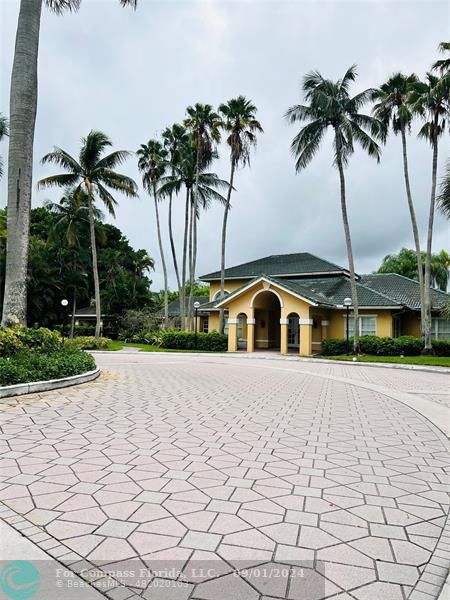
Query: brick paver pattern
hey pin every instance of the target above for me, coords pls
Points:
(255, 482)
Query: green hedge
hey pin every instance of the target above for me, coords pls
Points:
(185, 340)
(87, 342)
(384, 346)
(26, 366)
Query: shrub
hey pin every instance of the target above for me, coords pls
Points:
(185, 340)
(26, 366)
(87, 342)
(385, 346)
(17, 340)
(135, 324)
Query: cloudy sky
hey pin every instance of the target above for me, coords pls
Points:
(130, 74)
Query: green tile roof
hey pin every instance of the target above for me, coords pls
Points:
(301, 263)
(326, 291)
(403, 290)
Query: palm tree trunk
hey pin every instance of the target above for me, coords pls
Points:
(191, 264)
(22, 115)
(428, 347)
(415, 228)
(348, 243)
(172, 245)
(74, 309)
(163, 260)
(183, 273)
(224, 240)
(98, 309)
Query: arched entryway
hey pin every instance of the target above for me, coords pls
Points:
(266, 306)
(242, 331)
(293, 332)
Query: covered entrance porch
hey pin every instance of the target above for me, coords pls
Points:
(264, 316)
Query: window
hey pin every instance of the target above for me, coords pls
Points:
(367, 326)
(440, 329)
(240, 327)
(397, 327)
(205, 325)
(225, 326)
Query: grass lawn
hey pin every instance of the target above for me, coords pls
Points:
(117, 345)
(435, 361)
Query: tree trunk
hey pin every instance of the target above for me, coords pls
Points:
(183, 273)
(415, 228)
(348, 243)
(194, 237)
(223, 247)
(22, 118)
(172, 247)
(98, 309)
(428, 347)
(191, 264)
(74, 309)
(163, 260)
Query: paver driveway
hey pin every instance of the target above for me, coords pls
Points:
(244, 478)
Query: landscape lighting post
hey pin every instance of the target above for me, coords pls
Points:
(347, 304)
(196, 306)
(64, 304)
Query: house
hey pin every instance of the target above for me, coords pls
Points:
(175, 317)
(291, 302)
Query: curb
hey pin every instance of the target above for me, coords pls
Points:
(292, 358)
(20, 389)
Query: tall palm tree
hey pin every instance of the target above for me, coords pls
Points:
(444, 196)
(93, 173)
(185, 175)
(240, 123)
(430, 100)
(71, 224)
(22, 114)
(173, 138)
(393, 109)
(331, 106)
(204, 125)
(3, 132)
(153, 164)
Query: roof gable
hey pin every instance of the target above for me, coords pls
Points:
(280, 265)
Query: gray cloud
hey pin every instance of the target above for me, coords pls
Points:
(133, 73)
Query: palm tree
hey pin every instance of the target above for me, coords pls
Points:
(393, 109)
(204, 125)
(241, 125)
(71, 224)
(22, 111)
(3, 133)
(153, 164)
(430, 100)
(444, 196)
(173, 138)
(330, 105)
(443, 66)
(94, 174)
(185, 175)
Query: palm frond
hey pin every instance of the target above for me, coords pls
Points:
(111, 161)
(117, 181)
(63, 159)
(108, 200)
(92, 147)
(61, 6)
(62, 180)
(306, 143)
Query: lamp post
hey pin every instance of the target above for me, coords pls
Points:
(64, 304)
(347, 304)
(196, 306)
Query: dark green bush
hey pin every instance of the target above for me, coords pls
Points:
(14, 340)
(26, 366)
(385, 346)
(185, 340)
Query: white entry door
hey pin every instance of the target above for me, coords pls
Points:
(293, 332)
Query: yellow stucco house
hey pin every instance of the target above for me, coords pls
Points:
(291, 302)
